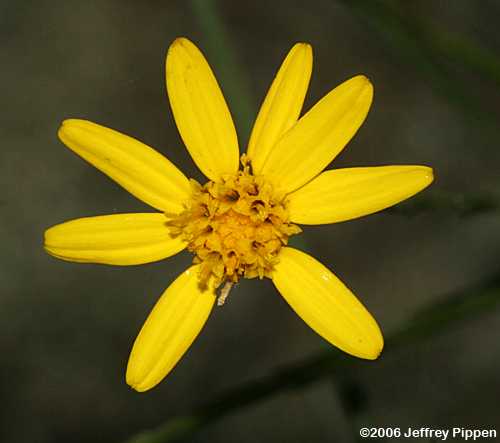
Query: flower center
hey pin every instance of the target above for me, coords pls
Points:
(235, 227)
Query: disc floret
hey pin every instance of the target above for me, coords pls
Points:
(235, 227)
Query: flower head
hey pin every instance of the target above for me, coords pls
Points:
(237, 224)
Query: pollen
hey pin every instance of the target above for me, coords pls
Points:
(234, 227)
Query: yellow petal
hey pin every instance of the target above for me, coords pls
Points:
(282, 105)
(326, 304)
(200, 111)
(119, 239)
(344, 194)
(316, 139)
(141, 170)
(169, 330)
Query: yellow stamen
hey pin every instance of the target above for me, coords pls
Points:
(235, 227)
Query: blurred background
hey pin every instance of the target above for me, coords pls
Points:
(67, 328)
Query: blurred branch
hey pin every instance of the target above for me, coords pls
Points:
(426, 323)
(459, 48)
(222, 55)
(424, 47)
(463, 205)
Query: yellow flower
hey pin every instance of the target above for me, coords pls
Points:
(238, 224)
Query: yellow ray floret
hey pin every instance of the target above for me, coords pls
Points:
(326, 304)
(118, 239)
(169, 330)
(282, 105)
(141, 170)
(344, 194)
(316, 139)
(200, 111)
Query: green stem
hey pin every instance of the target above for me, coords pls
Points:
(426, 323)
